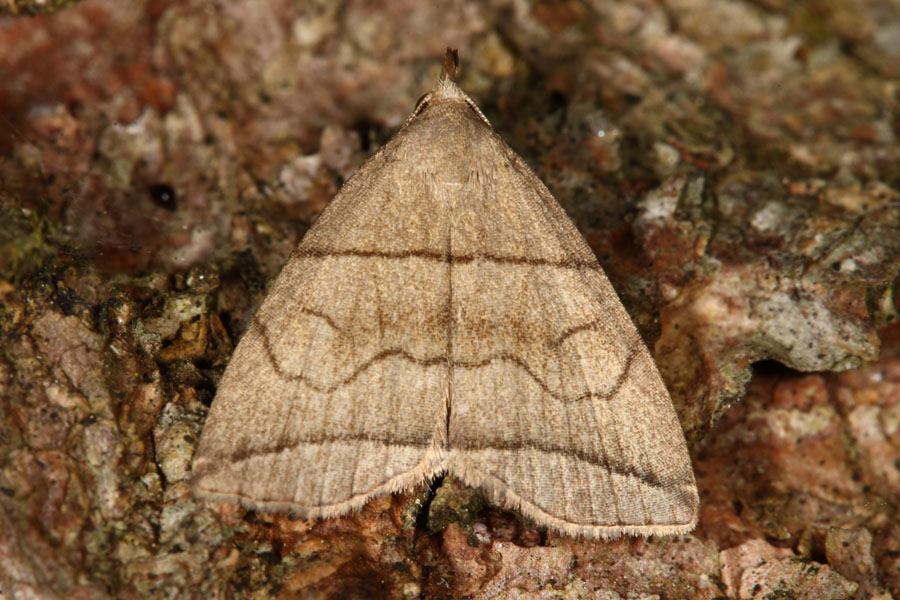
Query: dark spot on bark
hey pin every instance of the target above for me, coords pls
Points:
(163, 195)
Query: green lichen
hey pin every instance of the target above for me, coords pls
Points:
(26, 242)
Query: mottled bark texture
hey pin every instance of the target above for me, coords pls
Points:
(732, 164)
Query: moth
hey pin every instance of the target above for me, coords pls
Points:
(443, 315)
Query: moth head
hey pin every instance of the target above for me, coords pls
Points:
(446, 90)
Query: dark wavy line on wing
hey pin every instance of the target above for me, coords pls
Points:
(323, 316)
(444, 258)
(595, 459)
(556, 343)
(427, 362)
(273, 360)
(632, 353)
(595, 324)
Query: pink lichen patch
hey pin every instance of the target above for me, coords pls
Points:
(794, 578)
(676, 567)
(849, 552)
(484, 566)
(738, 559)
(68, 344)
(528, 571)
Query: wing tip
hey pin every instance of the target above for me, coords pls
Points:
(206, 491)
(604, 532)
(341, 509)
(502, 495)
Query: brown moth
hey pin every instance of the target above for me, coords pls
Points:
(444, 315)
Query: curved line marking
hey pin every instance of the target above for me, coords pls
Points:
(428, 362)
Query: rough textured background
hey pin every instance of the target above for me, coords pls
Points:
(734, 164)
